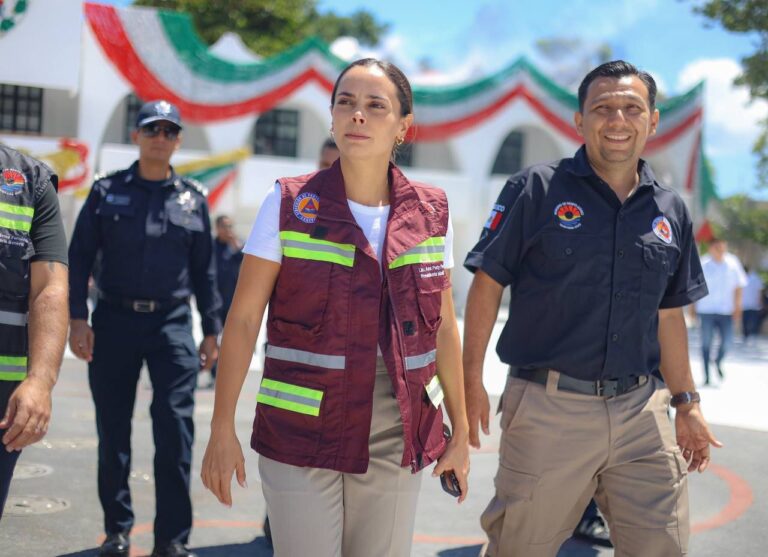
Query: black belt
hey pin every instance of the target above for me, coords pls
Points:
(602, 387)
(142, 306)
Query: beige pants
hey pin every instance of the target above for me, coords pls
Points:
(558, 449)
(323, 513)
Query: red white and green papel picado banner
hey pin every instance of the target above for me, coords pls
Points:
(160, 54)
(11, 11)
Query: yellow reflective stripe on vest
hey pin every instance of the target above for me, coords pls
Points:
(13, 368)
(428, 251)
(328, 361)
(16, 217)
(421, 360)
(290, 397)
(435, 391)
(301, 246)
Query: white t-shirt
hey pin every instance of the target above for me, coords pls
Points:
(264, 240)
(751, 295)
(723, 279)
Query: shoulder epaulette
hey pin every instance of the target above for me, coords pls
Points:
(195, 185)
(102, 175)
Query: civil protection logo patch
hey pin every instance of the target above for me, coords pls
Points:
(662, 229)
(569, 215)
(306, 207)
(12, 181)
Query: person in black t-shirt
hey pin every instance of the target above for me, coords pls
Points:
(33, 304)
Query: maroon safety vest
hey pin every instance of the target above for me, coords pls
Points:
(329, 310)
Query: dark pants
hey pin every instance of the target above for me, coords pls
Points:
(590, 512)
(723, 324)
(7, 460)
(124, 340)
(750, 322)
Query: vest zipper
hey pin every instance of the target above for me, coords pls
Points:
(402, 351)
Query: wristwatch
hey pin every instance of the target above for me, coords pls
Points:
(686, 397)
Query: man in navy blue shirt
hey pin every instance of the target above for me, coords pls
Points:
(151, 233)
(600, 259)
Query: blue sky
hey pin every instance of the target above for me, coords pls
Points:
(465, 37)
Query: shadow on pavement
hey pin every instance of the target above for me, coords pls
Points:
(468, 551)
(571, 548)
(256, 548)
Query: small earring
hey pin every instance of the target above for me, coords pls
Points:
(398, 141)
(331, 130)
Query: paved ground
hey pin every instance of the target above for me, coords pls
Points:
(728, 505)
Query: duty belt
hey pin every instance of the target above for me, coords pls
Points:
(607, 388)
(142, 306)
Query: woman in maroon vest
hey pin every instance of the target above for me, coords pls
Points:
(363, 345)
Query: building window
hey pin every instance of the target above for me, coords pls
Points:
(21, 108)
(510, 157)
(132, 106)
(277, 133)
(404, 155)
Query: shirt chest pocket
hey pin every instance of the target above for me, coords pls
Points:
(659, 264)
(118, 221)
(109, 209)
(572, 259)
(184, 216)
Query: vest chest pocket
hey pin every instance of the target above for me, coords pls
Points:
(430, 281)
(301, 296)
(15, 252)
(312, 272)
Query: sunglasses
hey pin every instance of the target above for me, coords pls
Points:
(153, 130)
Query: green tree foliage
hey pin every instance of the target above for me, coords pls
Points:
(748, 16)
(744, 220)
(270, 26)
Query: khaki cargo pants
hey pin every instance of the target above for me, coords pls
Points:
(558, 449)
(323, 513)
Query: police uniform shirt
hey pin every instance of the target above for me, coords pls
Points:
(587, 273)
(154, 241)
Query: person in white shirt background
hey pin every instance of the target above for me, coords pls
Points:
(752, 306)
(718, 310)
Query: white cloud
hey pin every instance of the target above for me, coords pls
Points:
(733, 122)
(603, 19)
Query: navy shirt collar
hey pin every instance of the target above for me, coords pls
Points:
(133, 175)
(580, 167)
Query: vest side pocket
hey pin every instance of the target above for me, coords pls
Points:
(289, 415)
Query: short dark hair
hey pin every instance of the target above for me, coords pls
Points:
(329, 144)
(221, 218)
(617, 69)
(395, 75)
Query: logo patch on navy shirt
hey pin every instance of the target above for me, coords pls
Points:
(117, 199)
(306, 207)
(12, 181)
(569, 215)
(662, 229)
(495, 217)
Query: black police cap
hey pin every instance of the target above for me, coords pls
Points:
(155, 111)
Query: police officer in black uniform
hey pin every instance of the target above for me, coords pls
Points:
(150, 230)
(33, 304)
